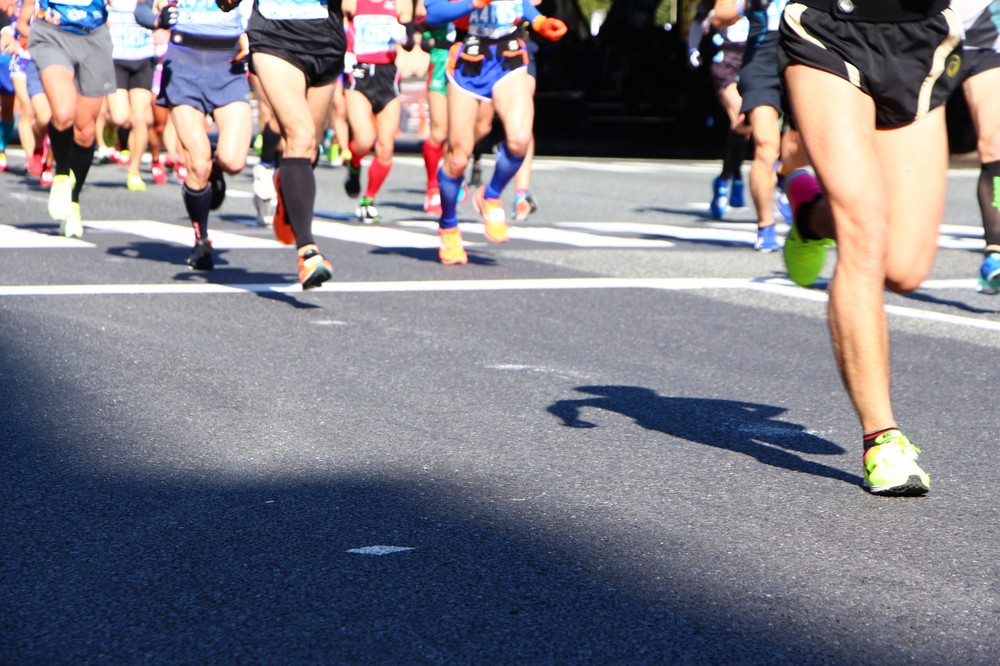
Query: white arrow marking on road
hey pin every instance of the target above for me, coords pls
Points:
(379, 550)
(15, 238)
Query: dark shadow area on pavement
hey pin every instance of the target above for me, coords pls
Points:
(925, 297)
(112, 554)
(430, 254)
(744, 427)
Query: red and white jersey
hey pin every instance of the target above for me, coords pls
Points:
(374, 31)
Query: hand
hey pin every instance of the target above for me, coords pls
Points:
(227, 5)
(242, 50)
(168, 16)
(694, 58)
(551, 29)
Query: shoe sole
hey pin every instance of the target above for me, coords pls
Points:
(319, 275)
(913, 487)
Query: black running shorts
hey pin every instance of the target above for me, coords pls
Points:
(908, 68)
(379, 83)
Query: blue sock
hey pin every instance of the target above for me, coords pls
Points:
(449, 199)
(506, 166)
(6, 133)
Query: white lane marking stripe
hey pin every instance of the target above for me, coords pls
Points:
(669, 230)
(376, 236)
(779, 287)
(16, 238)
(554, 236)
(181, 235)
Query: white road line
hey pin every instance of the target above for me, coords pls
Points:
(377, 236)
(181, 235)
(554, 236)
(668, 230)
(16, 238)
(775, 286)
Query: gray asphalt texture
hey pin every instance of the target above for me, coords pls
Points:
(580, 475)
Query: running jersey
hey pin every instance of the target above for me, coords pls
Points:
(315, 26)
(763, 16)
(22, 52)
(981, 20)
(205, 19)
(374, 31)
(129, 40)
(77, 16)
(495, 21)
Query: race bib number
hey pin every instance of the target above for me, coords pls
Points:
(287, 10)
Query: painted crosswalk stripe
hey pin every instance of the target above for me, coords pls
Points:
(555, 236)
(377, 236)
(668, 230)
(181, 235)
(16, 238)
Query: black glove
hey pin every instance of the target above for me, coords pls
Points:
(227, 5)
(411, 30)
(168, 16)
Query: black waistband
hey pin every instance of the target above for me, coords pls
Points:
(879, 11)
(204, 42)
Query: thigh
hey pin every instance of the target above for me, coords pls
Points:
(515, 105)
(189, 125)
(359, 116)
(284, 87)
(982, 92)
(914, 161)
(463, 110)
(235, 123)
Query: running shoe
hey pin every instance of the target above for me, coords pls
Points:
(106, 155)
(181, 171)
(123, 158)
(720, 198)
(804, 258)
(784, 205)
(352, 184)
(494, 219)
(452, 252)
(432, 202)
(463, 193)
(890, 467)
(524, 205)
(989, 274)
(279, 223)
(47, 178)
(258, 144)
(35, 165)
(334, 155)
(767, 240)
(263, 181)
(201, 258)
(61, 196)
(3, 161)
(159, 174)
(314, 270)
(218, 184)
(476, 179)
(265, 211)
(72, 226)
(134, 183)
(736, 197)
(367, 212)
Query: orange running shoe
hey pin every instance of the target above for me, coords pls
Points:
(452, 252)
(282, 229)
(494, 218)
(314, 270)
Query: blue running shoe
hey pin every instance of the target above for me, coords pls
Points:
(989, 274)
(736, 198)
(767, 240)
(784, 205)
(720, 198)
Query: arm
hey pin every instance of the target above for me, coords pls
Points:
(726, 13)
(440, 12)
(24, 18)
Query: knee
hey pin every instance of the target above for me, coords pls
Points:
(517, 144)
(989, 147)
(231, 164)
(300, 142)
(456, 163)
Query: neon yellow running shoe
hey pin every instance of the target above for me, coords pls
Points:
(804, 259)
(61, 196)
(135, 183)
(72, 225)
(890, 467)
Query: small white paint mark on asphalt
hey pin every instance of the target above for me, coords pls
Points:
(378, 550)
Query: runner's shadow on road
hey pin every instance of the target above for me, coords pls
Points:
(924, 297)
(744, 427)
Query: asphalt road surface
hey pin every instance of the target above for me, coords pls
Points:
(619, 438)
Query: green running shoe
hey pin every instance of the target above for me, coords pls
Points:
(890, 467)
(61, 197)
(804, 259)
